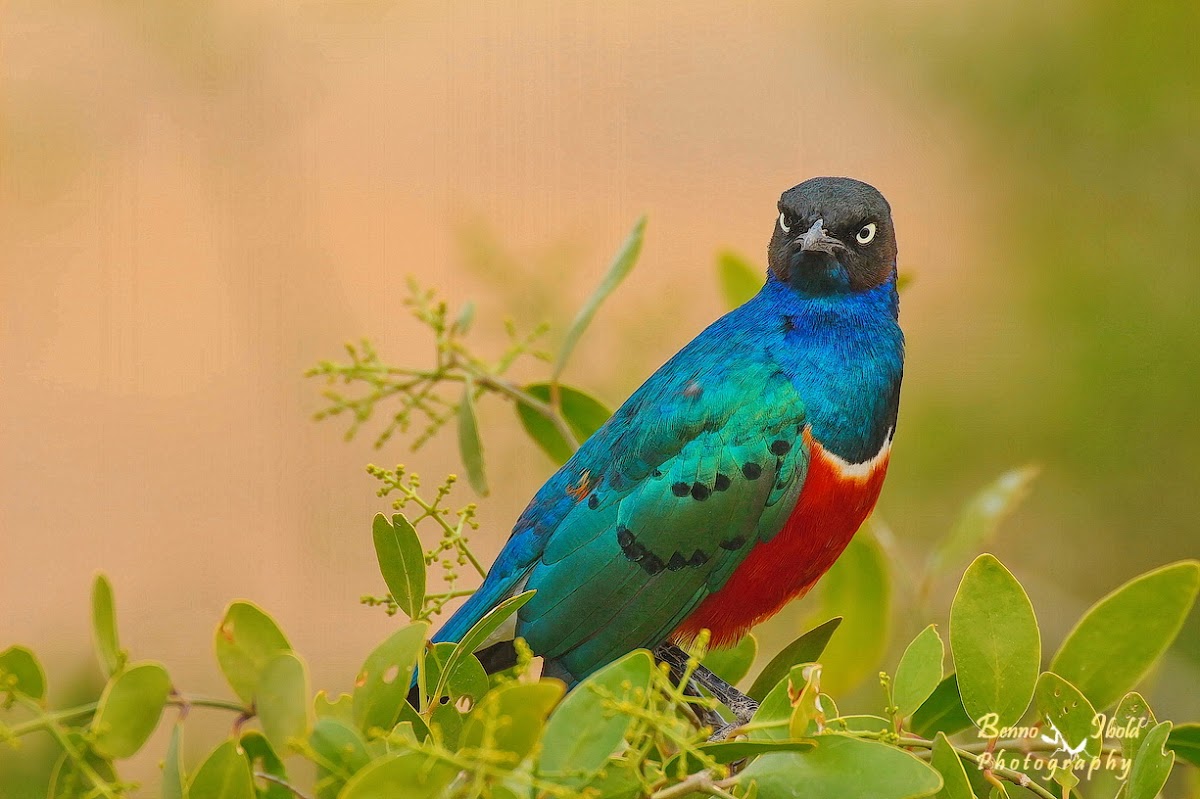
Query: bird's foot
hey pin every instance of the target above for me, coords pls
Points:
(724, 731)
(743, 707)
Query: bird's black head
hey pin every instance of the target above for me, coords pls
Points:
(833, 236)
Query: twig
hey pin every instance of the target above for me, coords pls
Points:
(281, 782)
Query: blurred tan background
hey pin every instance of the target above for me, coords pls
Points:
(198, 200)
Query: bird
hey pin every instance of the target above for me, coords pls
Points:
(732, 479)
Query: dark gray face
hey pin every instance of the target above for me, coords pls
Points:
(833, 235)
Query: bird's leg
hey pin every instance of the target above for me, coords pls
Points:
(743, 707)
(707, 716)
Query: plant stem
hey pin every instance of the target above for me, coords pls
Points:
(280, 781)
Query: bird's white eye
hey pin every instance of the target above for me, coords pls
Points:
(867, 234)
(783, 224)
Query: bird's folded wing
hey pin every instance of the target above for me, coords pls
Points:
(660, 507)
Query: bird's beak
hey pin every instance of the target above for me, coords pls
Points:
(815, 239)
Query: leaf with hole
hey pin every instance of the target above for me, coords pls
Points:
(245, 640)
(479, 633)
(1133, 718)
(468, 680)
(1066, 709)
(381, 687)
(1152, 765)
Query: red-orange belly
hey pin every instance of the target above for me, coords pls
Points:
(834, 502)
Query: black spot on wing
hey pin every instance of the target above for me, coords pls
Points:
(652, 563)
(722, 483)
(751, 471)
(680, 489)
(780, 447)
(700, 492)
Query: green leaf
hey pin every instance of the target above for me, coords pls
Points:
(726, 752)
(129, 710)
(1067, 710)
(583, 413)
(842, 767)
(858, 588)
(1132, 719)
(1125, 633)
(619, 780)
(955, 784)
(104, 627)
(510, 718)
(341, 708)
(919, 672)
(415, 722)
(340, 752)
(732, 664)
(621, 265)
(1184, 741)
(805, 682)
(447, 722)
(942, 711)
(412, 775)
(469, 679)
(470, 447)
(382, 684)
(773, 721)
(225, 774)
(1152, 765)
(863, 723)
(401, 561)
(282, 700)
(571, 759)
(980, 519)
(67, 781)
(246, 639)
(740, 280)
(174, 782)
(805, 649)
(479, 633)
(21, 673)
(995, 643)
(263, 758)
